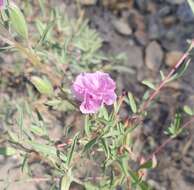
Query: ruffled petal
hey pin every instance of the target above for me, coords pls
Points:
(109, 98)
(78, 87)
(90, 104)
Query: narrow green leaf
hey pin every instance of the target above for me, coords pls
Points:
(37, 130)
(18, 21)
(162, 75)
(46, 150)
(70, 155)
(148, 84)
(106, 148)
(188, 110)
(87, 125)
(25, 167)
(179, 73)
(132, 103)
(90, 144)
(104, 113)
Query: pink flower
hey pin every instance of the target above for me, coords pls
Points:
(94, 90)
(2, 2)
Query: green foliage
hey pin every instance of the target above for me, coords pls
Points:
(188, 110)
(61, 48)
(148, 84)
(175, 127)
(18, 21)
(42, 85)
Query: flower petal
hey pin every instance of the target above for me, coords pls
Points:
(109, 98)
(90, 104)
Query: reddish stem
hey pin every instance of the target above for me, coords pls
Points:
(163, 82)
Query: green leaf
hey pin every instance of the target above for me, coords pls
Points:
(66, 181)
(149, 164)
(87, 125)
(46, 150)
(188, 110)
(104, 113)
(90, 144)
(44, 30)
(132, 103)
(25, 167)
(148, 84)
(42, 85)
(18, 21)
(191, 4)
(37, 130)
(106, 148)
(162, 75)
(7, 151)
(70, 155)
(13, 136)
(180, 71)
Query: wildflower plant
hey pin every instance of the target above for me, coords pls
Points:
(64, 68)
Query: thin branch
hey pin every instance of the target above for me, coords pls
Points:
(166, 79)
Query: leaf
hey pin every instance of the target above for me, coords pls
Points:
(106, 148)
(46, 150)
(42, 85)
(70, 155)
(132, 103)
(188, 110)
(25, 167)
(104, 113)
(90, 144)
(66, 181)
(180, 71)
(162, 75)
(37, 130)
(148, 84)
(7, 151)
(191, 4)
(149, 164)
(87, 125)
(18, 21)
(60, 105)
(44, 30)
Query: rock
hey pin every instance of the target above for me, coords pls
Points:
(172, 57)
(164, 11)
(184, 13)
(175, 2)
(141, 4)
(153, 27)
(88, 2)
(141, 37)
(122, 27)
(137, 21)
(153, 56)
(135, 56)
